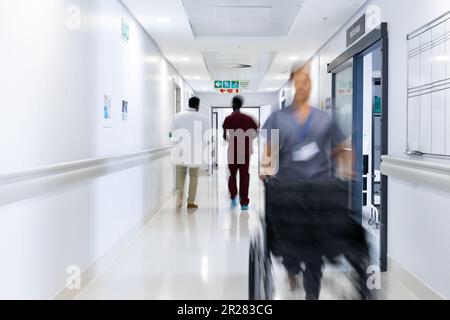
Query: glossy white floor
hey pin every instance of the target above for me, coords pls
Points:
(202, 255)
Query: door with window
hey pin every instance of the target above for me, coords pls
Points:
(360, 88)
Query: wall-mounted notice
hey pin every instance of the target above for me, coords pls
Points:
(344, 88)
(107, 111)
(124, 110)
(429, 88)
(244, 84)
(125, 31)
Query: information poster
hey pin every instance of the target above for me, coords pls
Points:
(344, 88)
(125, 111)
(107, 111)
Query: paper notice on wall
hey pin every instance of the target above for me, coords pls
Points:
(107, 116)
(124, 111)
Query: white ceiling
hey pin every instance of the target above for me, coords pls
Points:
(201, 38)
(224, 66)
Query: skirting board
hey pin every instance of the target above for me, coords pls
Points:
(413, 284)
(93, 271)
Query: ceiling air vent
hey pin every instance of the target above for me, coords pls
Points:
(237, 66)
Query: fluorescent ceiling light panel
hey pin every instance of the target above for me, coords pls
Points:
(163, 20)
(256, 3)
(243, 14)
(242, 18)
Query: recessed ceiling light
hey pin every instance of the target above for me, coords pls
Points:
(185, 59)
(152, 59)
(293, 58)
(163, 20)
(236, 66)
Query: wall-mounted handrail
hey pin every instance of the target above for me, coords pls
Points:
(432, 172)
(76, 165)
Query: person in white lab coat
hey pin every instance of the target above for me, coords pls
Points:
(189, 133)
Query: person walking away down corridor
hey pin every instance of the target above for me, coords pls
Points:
(239, 130)
(189, 132)
(309, 142)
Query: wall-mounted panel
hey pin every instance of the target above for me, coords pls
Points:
(428, 88)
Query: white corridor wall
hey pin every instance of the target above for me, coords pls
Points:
(53, 79)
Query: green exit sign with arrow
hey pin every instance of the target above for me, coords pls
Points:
(231, 84)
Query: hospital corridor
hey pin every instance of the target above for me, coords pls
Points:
(243, 152)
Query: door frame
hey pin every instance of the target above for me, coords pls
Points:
(178, 108)
(376, 38)
(214, 125)
(219, 135)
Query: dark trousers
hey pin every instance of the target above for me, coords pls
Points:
(244, 180)
(312, 275)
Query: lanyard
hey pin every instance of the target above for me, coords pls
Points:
(303, 130)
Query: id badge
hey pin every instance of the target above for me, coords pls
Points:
(305, 152)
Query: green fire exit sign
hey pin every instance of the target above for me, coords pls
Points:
(231, 84)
